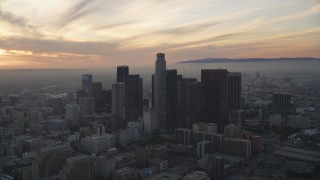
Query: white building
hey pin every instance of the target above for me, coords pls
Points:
(98, 143)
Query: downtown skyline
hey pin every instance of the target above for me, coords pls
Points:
(101, 33)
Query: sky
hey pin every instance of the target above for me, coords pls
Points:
(104, 33)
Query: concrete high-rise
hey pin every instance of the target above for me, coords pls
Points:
(122, 73)
(49, 161)
(118, 99)
(87, 106)
(182, 86)
(222, 93)
(72, 115)
(281, 103)
(165, 95)
(234, 91)
(195, 103)
(216, 93)
(97, 94)
(77, 167)
(157, 90)
(97, 90)
(169, 109)
(87, 83)
(133, 102)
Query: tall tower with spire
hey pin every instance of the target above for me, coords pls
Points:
(157, 88)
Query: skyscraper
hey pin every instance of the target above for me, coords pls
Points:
(122, 73)
(156, 93)
(216, 93)
(72, 115)
(49, 161)
(195, 103)
(118, 99)
(223, 94)
(87, 83)
(97, 94)
(168, 108)
(234, 91)
(77, 167)
(97, 89)
(87, 106)
(133, 102)
(182, 99)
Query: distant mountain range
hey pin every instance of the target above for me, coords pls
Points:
(223, 60)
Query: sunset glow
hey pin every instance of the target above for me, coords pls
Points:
(102, 33)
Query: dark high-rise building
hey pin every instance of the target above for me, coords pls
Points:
(234, 91)
(281, 103)
(107, 96)
(195, 103)
(168, 95)
(133, 102)
(223, 94)
(158, 90)
(107, 100)
(182, 97)
(122, 73)
(80, 94)
(87, 106)
(97, 94)
(49, 161)
(87, 83)
(97, 89)
(216, 93)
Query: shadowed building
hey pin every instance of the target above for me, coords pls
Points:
(216, 93)
(87, 83)
(49, 161)
(281, 103)
(195, 103)
(77, 167)
(122, 73)
(182, 86)
(133, 102)
(118, 99)
(222, 93)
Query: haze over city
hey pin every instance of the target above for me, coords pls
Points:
(103, 33)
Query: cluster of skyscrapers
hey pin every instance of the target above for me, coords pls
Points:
(181, 102)
(176, 101)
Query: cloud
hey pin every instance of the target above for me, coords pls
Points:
(18, 23)
(113, 25)
(77, 11)
(58, 46)
(311, 11)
